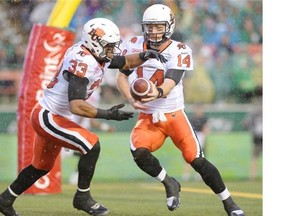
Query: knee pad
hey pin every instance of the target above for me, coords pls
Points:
(93, 152)
(140, 153)
(199, 164)
(146, 161)
(88, 161)
(141, 156)
(96, 149)
(90, 158)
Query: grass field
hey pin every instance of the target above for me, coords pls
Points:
(144, 198)
(230, 152)
(127, 191)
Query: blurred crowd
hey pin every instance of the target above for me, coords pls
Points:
(225, 36)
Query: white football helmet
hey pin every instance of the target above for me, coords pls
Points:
(158, 14)
(98, 33)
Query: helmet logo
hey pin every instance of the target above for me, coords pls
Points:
(97, 33)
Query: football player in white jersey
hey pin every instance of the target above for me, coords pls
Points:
(79, 74)
(162, 113)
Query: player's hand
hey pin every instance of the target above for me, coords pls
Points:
(151, 95)
(114, 113)
(144, 56)
(137, 105)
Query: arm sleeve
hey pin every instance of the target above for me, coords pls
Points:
(117, 62)
(126, 72)
(175, 75)
(77, 87)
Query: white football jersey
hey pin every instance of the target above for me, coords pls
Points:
(179, 57)
(79, 61)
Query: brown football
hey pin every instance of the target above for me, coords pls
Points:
(139, 88)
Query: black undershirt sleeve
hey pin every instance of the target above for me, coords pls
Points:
(126, 72)
(175, 75)
(77, 87)
(117, 62)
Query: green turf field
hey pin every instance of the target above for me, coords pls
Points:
(127, 191)
(230, 152)
(144, 198)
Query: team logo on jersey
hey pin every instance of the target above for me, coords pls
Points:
(133, 40)
(181, 46)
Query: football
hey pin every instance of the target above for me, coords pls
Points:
(139, 88)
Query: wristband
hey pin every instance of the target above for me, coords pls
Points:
(103, 114)
(160, 92)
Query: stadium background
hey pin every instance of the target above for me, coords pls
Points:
(226, 38)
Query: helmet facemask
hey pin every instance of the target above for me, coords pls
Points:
(153, 34)
(109, 50)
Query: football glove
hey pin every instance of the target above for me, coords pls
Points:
(144, 56)
(114, 113)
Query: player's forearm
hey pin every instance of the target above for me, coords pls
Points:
(124, 86)
(166, 87)
(136, 59)
(82, 108)
(132, 61)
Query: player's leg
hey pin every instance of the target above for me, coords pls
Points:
(28, 176)
(186, 140)
(70, 135)
(150, 165)
(213, 179)
(88, 145)
(82, 199)
(143, 142)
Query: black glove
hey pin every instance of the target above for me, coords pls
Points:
(144, 56)
(114, 113)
